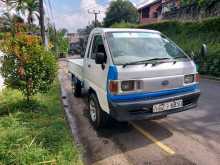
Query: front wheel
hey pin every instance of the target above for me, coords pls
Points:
(97, 116)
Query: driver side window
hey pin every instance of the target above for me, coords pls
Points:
(98, 46)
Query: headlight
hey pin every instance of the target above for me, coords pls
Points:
(117, 86)
(127, 85)
(188, 79)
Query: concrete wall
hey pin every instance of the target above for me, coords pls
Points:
(193, 12)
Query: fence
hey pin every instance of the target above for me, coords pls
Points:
(193, 12)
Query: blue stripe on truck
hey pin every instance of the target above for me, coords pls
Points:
(112, 73)
(152, 95)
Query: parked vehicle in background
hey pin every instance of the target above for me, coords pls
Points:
(134, 74)
(74, 48)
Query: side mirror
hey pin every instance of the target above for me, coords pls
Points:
(204, 50)
(99, 58)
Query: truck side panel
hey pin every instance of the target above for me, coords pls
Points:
(76, 68)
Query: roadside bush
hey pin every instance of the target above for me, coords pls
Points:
(190, 36)
(124, 25)
(27, 66)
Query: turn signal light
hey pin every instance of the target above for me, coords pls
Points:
(197, 77)
(113, 87)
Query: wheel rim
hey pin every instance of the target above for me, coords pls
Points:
(92, 110)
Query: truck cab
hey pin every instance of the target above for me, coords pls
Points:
(134, 74)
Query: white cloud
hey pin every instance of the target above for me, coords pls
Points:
(81, 18)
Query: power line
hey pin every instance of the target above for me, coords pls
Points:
(95, 14)
(51, 10)
(89, 7)
(48, 13)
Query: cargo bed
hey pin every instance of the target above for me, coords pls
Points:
(76, 68)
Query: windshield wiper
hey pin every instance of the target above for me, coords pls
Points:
(180, 57)
(149, 61)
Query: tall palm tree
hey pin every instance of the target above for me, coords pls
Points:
(29, 8)
(8, 22)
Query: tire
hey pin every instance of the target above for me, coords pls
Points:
(97, 116)
(76, 87)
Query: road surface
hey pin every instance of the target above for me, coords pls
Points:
(191, 137)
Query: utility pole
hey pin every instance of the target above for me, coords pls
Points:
(95, 14)
(42, 26)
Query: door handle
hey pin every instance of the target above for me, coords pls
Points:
(89, 66)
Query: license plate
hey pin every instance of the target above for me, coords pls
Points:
(167, 106)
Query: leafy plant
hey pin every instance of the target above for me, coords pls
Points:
(27, 66)
(120, 11)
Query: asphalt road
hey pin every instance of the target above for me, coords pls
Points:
(191, 137)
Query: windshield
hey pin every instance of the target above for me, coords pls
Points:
(129, 47)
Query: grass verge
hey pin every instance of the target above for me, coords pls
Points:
(35, 133)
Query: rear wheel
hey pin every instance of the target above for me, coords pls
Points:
(76, 87)
(97, 116)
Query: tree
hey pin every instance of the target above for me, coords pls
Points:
(29, 8)
(58, 39)
(10, 23)
(32, 9)
(27, 65)
(121, 11)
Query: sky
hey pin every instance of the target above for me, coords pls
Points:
(73, 14)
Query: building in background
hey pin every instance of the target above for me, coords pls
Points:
(151, 11)
(73, 37)
(74, 41)
(169, 5)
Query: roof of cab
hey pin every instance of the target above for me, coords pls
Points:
(103, 30)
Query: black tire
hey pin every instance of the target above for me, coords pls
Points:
(101, 118)
(76, 87)
(78, 90)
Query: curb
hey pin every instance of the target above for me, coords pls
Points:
(70, 118)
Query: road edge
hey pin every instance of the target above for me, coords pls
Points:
(71, 120)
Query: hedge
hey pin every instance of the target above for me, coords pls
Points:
(190, 36)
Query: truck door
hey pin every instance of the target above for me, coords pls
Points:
(95, 73)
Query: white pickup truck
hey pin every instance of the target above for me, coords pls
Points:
(134, 74)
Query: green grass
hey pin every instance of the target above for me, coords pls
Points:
(35, 133)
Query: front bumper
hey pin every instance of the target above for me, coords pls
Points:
(138, 110)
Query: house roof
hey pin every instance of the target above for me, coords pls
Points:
(146, 3)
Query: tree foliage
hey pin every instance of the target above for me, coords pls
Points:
(120, 11)
(27, 66)
(29, 8)
(10, 23)
(58, 40)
